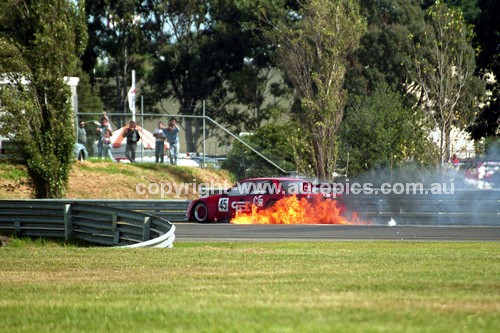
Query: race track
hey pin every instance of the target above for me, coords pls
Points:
(193, 232)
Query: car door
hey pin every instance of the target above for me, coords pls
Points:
(261, 193)
(235, 199)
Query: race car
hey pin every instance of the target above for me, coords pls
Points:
(262, 192)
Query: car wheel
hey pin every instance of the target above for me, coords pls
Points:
(200, 212)
(81, 156)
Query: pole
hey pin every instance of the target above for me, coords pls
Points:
(133, 95)
(204, 150)
(142, 126)
(247, 145)
(347, 167)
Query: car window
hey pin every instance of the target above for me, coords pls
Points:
(261, 187)
(233, 191)
(243, 188)
(292, 186)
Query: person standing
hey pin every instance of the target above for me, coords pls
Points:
(101, 132)
(159, 134)
(132, 135)
(82, 134)
(172, 135)
(106, 145)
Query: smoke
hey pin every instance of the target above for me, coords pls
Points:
(464, 194)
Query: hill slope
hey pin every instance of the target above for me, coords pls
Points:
(106, 180)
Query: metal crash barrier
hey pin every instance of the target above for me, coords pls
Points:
(93, 223)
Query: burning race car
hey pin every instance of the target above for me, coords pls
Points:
(259, 192)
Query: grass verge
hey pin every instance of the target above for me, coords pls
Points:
(106, 180)
(252, 287)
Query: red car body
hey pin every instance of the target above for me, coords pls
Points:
(263, 192)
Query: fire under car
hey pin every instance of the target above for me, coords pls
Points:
(262, 192)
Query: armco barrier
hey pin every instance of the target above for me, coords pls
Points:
(93, 223)
(171, 210)
(463, 207)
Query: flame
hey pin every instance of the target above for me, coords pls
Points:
(292, 210)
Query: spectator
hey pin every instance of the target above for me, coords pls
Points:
(82, 134)
(101, 132)
(159, 134)
(132, 135)
(106, 145)
(455, 161)
(172, 135)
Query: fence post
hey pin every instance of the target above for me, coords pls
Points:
(146, 229)
(116, 232)
(17, 227)
(68, 225)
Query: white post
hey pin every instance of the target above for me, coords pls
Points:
(204, 150)
(132, 107)
(142, 127)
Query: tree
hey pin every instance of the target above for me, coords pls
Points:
(486, 39)
(379, 131)
(39, 44)
(280, 142)
(207, 51)
(313, 47)
(115, 48)
(379, 60)
(442, 66)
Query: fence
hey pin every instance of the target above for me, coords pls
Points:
(215, 139)
(97, 224)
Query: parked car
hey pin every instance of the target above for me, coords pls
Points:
(262, 192)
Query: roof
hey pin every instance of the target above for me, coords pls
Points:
(274, 178)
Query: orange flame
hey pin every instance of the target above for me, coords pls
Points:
(292, 210)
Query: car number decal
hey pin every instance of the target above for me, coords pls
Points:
(223, 204)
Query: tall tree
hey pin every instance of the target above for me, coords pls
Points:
(487, 41)
(379, 60)
(443, 66)
(313, 47)
(40, 42)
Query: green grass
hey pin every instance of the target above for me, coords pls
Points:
(12, 171)
(252, 287)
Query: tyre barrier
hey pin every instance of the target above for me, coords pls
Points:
(93, 223)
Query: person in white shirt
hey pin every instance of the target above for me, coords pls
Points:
(160, 143)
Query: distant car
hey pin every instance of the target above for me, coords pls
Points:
(262, 192)
(81, 153)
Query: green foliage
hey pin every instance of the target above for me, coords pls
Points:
(35, 60)
(212, 51)
(281, 143)
(313, 48)
(88, 98)
(379, 131)
(384, 46)
(114, 35)
(442, 64)
(486, 39)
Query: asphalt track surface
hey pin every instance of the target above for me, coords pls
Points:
(193, 232)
